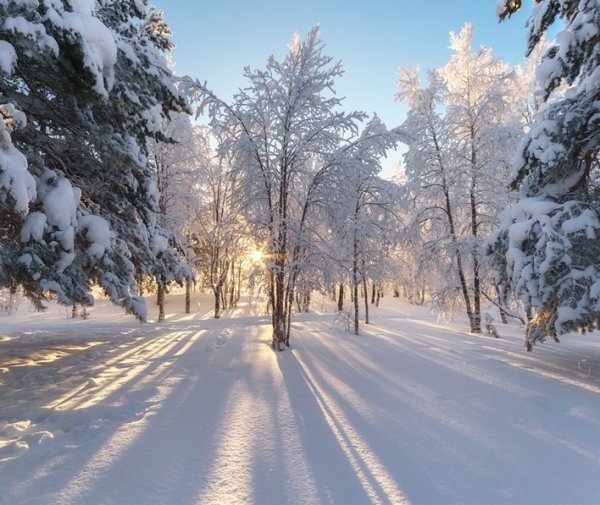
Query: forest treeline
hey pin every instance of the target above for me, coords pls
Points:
(107, 180)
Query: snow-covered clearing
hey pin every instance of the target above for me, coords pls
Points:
(202, 411)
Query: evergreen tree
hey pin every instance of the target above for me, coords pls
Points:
(547, 249)
(87, 82)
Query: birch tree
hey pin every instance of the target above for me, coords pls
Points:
(283, 131)
(461, 132)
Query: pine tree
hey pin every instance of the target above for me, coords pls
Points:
(547, 249)
(90, 81)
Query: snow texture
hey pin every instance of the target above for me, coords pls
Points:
(197, 410)
(33, 228)
(59, 200)
(97, 232)
(8, 57)
(100, 49)
(15, 179)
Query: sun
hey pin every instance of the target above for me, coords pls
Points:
(256, 255)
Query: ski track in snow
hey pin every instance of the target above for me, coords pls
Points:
(202, 411)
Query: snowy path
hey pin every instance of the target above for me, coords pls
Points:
(201, 411)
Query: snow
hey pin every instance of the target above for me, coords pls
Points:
(8, 57)
(159, 243)
(59, 200)
(97, 233)
(197, 410)
(14, 176)
(586, 222)
(35, 31)
(100, 48)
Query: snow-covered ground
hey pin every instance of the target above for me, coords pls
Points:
(202, 411)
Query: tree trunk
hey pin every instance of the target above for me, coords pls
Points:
(476, 296)
(232, 285)
(217, 293)
(340, 300)
(223, 291)
(366, 293)
(271, 302)
(373, 293)
(476, 326)
(279, 319)
(356, 312)
(160, 297)
(238, 293)
(355, 285)
(465, 291)
(140, 283)
(74, 311)
(188, 297)
(288, 314)
(501, 303)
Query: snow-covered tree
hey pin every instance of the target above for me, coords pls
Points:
(175, 167)
(361, 208)
(547, 249)
(218, 224)
(83, 85)
(461, 132)
(283, 132)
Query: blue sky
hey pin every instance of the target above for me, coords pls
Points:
(216, 38)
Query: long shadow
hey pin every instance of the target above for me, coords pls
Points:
(330, 443)
(130, 416)
(449, 421)
(187, 444)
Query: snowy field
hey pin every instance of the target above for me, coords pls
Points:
(202, 411)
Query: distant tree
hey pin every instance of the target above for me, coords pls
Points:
(362, 212)
(175, 169)
(547, 249)
(217, 225)
(461, 132)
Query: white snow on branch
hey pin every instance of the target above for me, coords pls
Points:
(59, 199)
(98, 233)
(99, 44)
(33, 228)
(35, 31)
(15, 179)
(8, 57)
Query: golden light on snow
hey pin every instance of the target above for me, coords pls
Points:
(240, 445)
(127, 367)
